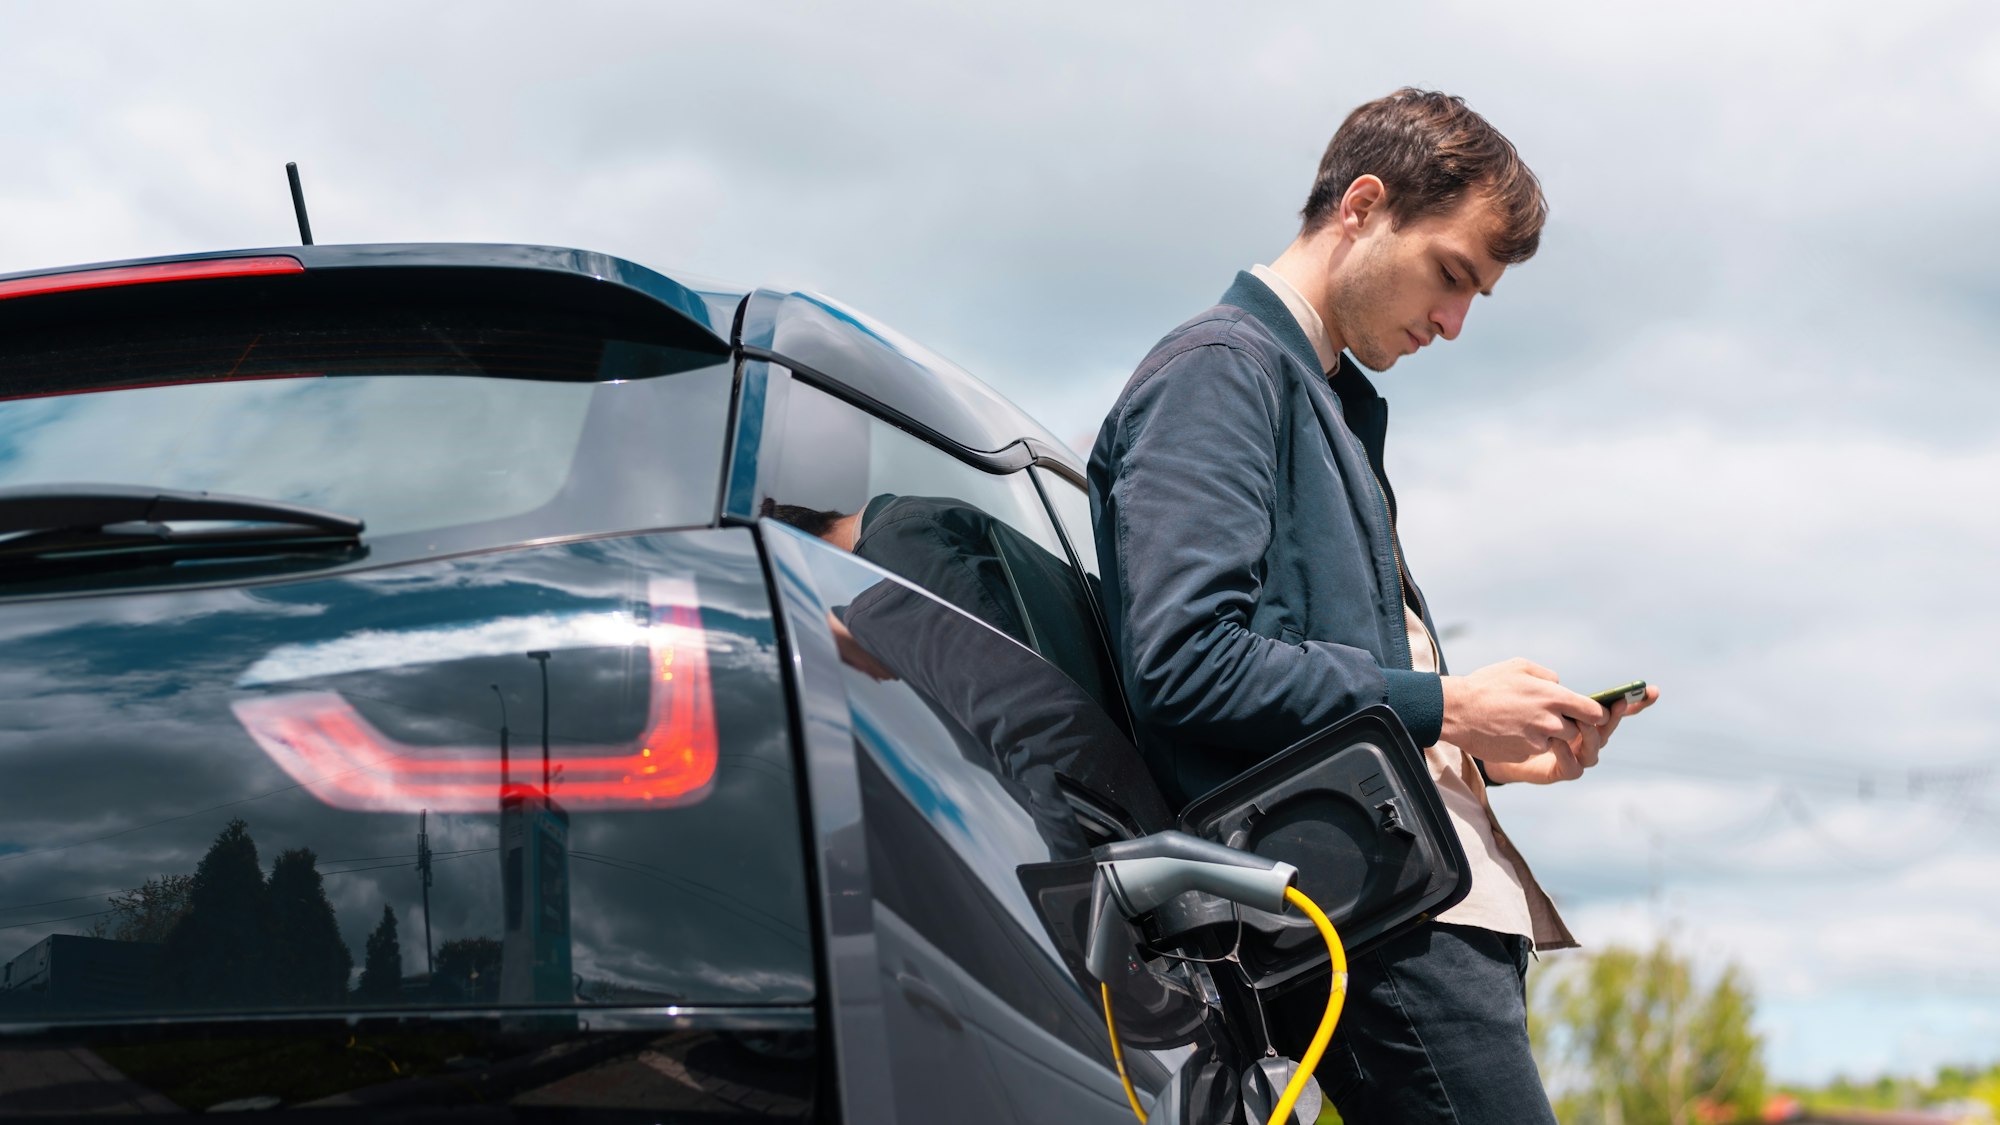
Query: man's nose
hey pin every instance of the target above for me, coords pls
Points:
(1449, 318)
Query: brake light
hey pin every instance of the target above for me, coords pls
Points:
(146, 275)
(340, 757)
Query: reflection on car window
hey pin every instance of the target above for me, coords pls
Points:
(981, 541)
(970, 749)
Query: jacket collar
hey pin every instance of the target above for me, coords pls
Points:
(1358, 398)
(1361, 406)
(1255, 297)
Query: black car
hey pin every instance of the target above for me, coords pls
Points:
(503, 682)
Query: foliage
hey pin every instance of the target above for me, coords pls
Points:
(1951, 1085)
(147, 912)
(1635, 1038)
(217, 955)
(231, 939)
(468, 969)
(382, 971)
(312, 961)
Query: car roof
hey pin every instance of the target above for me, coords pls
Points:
(829, 343)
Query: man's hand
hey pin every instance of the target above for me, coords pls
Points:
(1515, 711)
(1548, 767)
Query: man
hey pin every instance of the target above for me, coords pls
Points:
(1257, 592)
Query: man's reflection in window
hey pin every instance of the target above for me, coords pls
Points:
(977, 562)
(945, 545)
(1012, 714)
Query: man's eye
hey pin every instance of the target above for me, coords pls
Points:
(1448, 279)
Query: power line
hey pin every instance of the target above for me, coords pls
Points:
(439, 857)
(11, 856)
(58, 901)
(702, 890)
(53, 921)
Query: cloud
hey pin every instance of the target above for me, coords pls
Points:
(373, 649)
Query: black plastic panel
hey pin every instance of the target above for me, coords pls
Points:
(1354, 808)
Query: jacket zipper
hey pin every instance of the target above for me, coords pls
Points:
(1404, 588)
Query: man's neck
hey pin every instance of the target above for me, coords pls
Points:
(845, 531)
(1306, 263)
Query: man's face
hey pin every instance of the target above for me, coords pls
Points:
(1400, 288)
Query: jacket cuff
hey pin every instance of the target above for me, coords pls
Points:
(1417, 698)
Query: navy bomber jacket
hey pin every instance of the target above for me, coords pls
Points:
(1245, 528)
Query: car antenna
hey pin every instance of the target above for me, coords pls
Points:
(299, 204)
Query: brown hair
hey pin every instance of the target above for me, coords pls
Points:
(1430, 150)
(812, 521)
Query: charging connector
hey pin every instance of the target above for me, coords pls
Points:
(1136, 877)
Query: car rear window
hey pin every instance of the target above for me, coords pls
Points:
(551, 777)
(442, 427)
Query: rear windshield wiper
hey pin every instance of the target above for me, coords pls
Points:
(111, 526)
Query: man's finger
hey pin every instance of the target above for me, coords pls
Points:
(1605, 732)
(1582, 708)
(1565, 766)
(1587, 746)
(1537, 671)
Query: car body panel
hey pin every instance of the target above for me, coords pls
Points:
(131, 737)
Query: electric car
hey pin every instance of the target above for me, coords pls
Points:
(507, 683)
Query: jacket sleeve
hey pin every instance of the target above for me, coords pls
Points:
(1190, 490)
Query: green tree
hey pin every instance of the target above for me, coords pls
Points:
(382, 970)
(1632, 1038)
(310, 959)
(1956, 1086)
(148, 912)
(217, 955)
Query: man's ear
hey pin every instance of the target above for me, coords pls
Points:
(1363, 204)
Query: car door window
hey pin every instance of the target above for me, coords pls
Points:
(981, 541)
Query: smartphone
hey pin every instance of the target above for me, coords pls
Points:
(1633, 692)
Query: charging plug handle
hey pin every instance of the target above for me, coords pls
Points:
(1134, 877)
(1146, 872)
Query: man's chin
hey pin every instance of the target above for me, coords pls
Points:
(1374, 362)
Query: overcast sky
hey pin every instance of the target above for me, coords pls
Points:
(1735, 430)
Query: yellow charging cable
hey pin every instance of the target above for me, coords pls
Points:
(1118, 1054)
(1336, 996)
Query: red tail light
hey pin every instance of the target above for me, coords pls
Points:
(145, 275)
(336, 753)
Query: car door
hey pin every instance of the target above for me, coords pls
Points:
(971, 755)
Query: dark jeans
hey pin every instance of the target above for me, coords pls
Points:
(1434, 1030)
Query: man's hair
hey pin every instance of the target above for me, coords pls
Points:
(812, 521)
(1430, 151)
